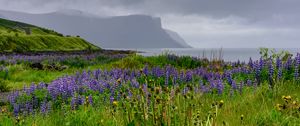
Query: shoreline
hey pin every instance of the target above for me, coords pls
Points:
(79, 52)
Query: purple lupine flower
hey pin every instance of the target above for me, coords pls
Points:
(241, 87)
(201, 83)
(181, 76)
(111, 99)
(90, 98)
(145, 90)
(212, 84)
(28, 107)
(249, 82)
(13, 97)
(204, 89)
(174, 79)
(130, 94)
(73, 103)
(296, 73)
(189, 75)
(97, 74)
(145, 70)
(220, 87)
(135, 84)
(119, 96)
(16, 109)
(261, 64)
(288, 63)
(185, 90)
(297, 62)
(278, 63)
(229, 77)
(257, 72)
(217, 75)
(233, 85)
(32, 88)
(44, 107)
(250, 64)
(167, 78)
(271, 69)
(279, 73)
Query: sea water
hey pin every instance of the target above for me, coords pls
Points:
(227, 54)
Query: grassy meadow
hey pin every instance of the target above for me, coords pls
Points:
(157, 90)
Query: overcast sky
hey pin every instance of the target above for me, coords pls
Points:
(202, 23)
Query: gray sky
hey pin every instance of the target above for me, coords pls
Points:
(202, 23)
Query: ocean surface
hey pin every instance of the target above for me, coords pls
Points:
(227, 54)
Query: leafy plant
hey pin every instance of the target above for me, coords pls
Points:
(3, 86)
(267, 53)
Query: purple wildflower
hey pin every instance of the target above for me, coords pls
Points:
(44, 107)
(220, 87)
(111, 99)
(241, 87)
(16, 109)
(271, 69)
(73, 103)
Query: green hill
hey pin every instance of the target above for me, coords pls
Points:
(17, 36)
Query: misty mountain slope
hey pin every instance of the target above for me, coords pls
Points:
(134, 31)
(177, 38)
(22, 37)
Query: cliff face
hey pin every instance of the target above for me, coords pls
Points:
(133, 31)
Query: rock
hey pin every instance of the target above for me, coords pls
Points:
(63, 67)
(37, 66)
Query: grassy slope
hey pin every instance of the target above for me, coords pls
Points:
(13, 38)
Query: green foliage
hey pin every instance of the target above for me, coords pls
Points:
(14, 26)
(255, 106)
(266, 53)
(15, 39)
(138, 61)
(42, 43)
(3, 86)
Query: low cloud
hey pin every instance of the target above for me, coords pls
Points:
(202, 23)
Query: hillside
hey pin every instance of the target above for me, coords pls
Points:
(17, 36)
(132, 31)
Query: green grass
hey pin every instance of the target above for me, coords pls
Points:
(256, 105)
(14, 38)
(22, 75)
(138, 62)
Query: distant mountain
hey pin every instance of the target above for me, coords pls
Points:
(22, 37)
(177, 38)
(72, 12)
(133, 31)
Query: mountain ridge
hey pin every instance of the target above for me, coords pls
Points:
(132, 31)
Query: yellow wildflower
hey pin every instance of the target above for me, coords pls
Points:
(115, 103)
